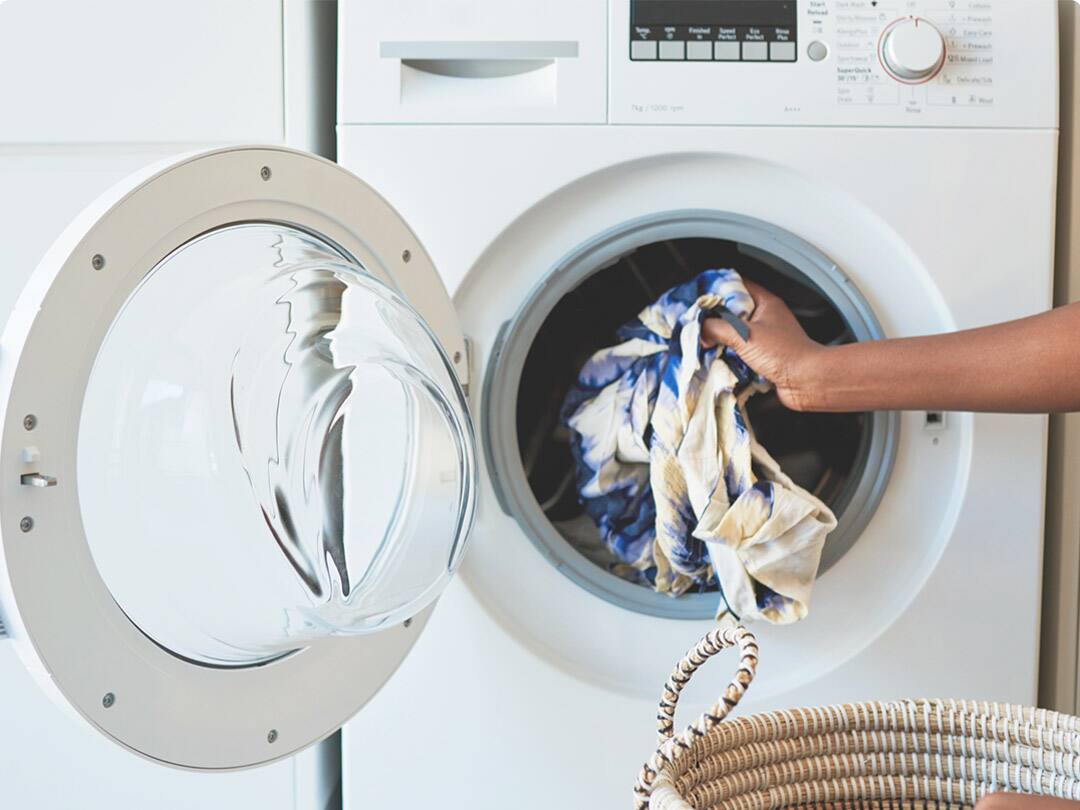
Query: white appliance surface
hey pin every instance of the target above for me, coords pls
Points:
(91, 93)
(528, 689)
(49, 757)
(130, 72)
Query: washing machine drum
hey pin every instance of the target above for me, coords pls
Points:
(240, 465)
(843, 459)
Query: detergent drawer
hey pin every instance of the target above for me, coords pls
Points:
(495, 61)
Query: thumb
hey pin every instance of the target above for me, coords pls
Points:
(718, 332)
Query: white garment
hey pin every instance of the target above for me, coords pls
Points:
(658, 412)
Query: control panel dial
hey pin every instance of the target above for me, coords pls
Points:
(912, 50)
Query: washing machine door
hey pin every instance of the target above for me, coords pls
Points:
(238, 467)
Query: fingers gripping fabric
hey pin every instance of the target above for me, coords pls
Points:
(899, 755)
(670, 471)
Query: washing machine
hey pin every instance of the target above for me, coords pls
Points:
(887, 167)
(247, 430)
(91, 93)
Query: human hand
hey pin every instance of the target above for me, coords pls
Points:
(778, 349)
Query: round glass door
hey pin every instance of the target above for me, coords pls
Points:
(273, 449)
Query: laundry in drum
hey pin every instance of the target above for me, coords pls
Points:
(670, 471)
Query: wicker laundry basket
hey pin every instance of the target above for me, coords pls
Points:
(941, 754)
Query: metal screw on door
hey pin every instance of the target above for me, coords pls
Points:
(26, 524)
(271, 737)
(98, 261)
(406, 256)
(29, 421)
(265, 173)
(108, 700)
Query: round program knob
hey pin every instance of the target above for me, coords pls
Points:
(912, 50)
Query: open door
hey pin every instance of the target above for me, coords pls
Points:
(238, 463)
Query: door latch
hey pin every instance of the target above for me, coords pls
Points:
(37, 480)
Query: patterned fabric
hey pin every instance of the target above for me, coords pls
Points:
(670, 472)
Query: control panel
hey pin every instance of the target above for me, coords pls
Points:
(714, 30)
(953, 63)
(942, 55)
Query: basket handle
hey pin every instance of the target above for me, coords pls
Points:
(670, 748)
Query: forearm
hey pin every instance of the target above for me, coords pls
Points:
(1026, 366)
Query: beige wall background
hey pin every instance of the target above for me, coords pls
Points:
(1059, 679)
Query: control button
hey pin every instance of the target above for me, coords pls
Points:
(782, 51)
(755, 51)
(817, 51)
(912, 50)
(727, 51)
(672, 50)
(642, 50)
(699, 50)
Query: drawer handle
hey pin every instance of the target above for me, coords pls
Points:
(479, 60)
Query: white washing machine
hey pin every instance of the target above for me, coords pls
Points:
(890, 166)
(89, 94)
(239, 467)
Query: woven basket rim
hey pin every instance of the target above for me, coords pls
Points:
(886, 753)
